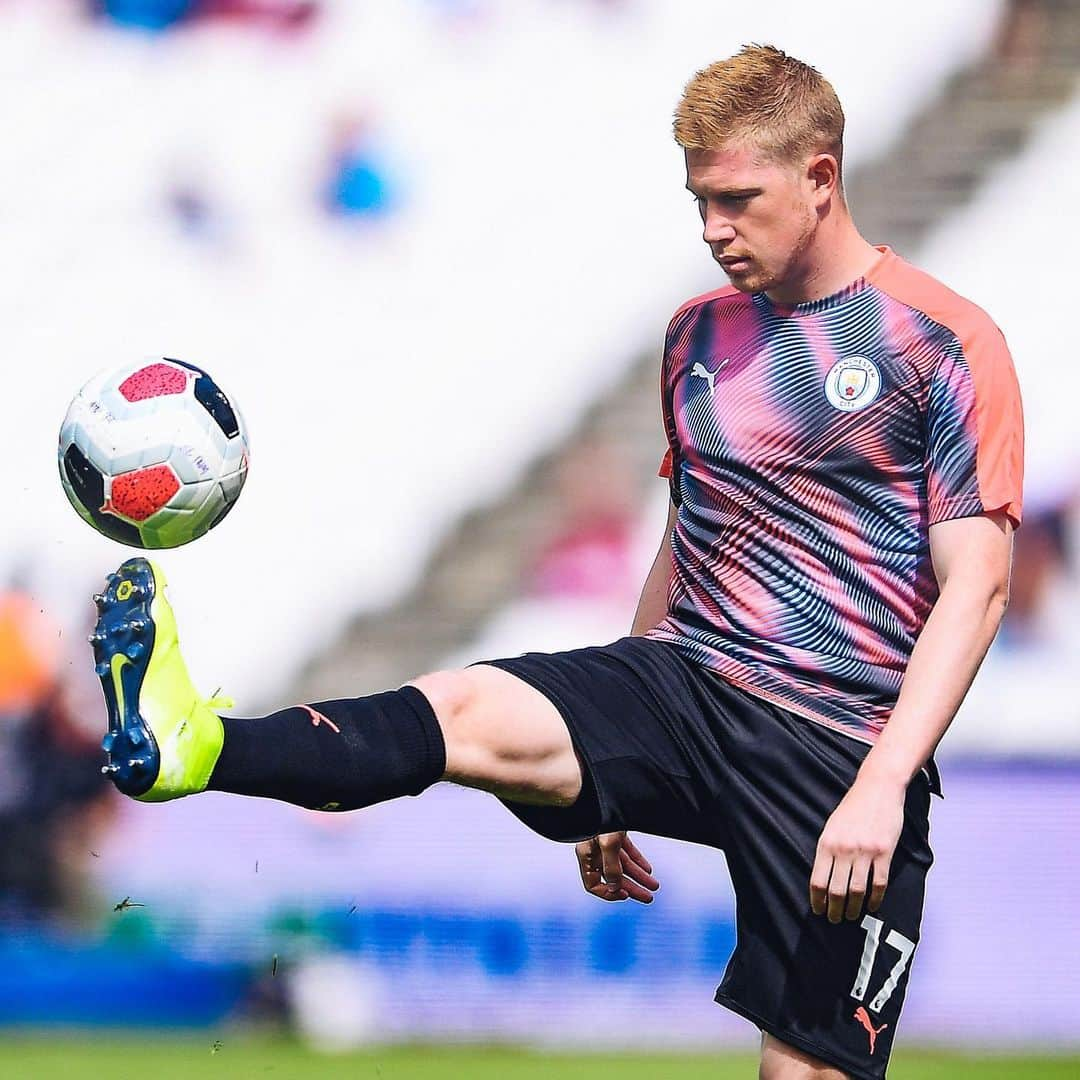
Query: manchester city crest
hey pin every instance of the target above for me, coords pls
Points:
(852, 384)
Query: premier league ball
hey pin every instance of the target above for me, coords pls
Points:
(153, 454)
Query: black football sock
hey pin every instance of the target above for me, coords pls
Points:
(335, 755)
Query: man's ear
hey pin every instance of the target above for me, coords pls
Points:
(823, 172)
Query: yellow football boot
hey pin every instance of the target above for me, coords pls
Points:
(163, 739)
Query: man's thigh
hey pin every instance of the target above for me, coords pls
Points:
(779, 1061)
(831, 991)
(636, 723)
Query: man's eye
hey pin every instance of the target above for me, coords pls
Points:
(738, 200)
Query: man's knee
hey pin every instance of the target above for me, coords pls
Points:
(501, 734)
(471, 750)
(450, 694)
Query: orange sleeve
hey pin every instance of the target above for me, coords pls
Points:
(975, 431)
(976, 422)
(999, 420)
(665, 466)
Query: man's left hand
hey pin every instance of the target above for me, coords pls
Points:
(856, 847)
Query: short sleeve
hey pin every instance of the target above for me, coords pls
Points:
(676, 343)
(975, 431)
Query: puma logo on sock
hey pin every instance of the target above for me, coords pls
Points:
(317, 718)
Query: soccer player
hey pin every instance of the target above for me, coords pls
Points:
(845, 459)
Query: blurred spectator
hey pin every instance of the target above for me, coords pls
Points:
(54, 801)
(618, 7)
(153, 15)
(289, 16)
(604, 7)
(1021, 37)
(461, 14)
(156, 15)
(359, 183)
(196, 209)
(191, 207)
(28, 653)
(590, 552)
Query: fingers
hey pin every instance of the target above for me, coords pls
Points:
(838, 884)
(631, 849)
(879, 883)
(588, 856)
(819, 881)
(860, 875)
(612, 868)
(638, 878)
(590, 863)
(829, 884)
(838, 887)
(636, 883)
(611, 862)
(636, 872)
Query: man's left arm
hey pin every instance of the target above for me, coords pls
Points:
(971, 558)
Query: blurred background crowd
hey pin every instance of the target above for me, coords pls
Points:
(430, 247)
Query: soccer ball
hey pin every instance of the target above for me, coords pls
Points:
(153, 454)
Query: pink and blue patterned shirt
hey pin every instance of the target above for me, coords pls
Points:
(811, 447)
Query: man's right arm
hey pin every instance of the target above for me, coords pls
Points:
(653, 605)
(611, 866)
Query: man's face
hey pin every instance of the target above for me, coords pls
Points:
(759, 217)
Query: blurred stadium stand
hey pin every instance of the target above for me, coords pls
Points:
(1025, 701)
(462, 314)
(425, 395)
(948, 156)
(899, 196)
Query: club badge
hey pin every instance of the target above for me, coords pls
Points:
(852, 384)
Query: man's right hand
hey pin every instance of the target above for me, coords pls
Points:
(612, 868)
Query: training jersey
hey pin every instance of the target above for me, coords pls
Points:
(811, 447)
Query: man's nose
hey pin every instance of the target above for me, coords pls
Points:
(718, 230)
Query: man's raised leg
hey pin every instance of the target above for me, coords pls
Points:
(480, 727)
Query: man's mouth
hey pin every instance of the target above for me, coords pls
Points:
(734, 262)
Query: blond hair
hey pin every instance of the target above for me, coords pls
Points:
(761, 96)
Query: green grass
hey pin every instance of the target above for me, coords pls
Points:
(239, 1057)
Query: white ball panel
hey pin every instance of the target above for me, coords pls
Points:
(69, 432)
(192, 496)
(232, 484)
(195, 460)
(208, 512)
(236, 457)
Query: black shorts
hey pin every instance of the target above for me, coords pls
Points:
(667, 747)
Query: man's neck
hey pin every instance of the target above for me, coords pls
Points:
(837, 257)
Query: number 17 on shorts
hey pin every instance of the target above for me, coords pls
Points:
(876, 934)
